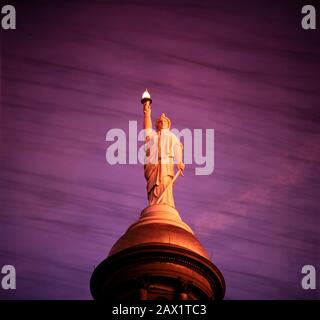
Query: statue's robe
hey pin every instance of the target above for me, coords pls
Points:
(163, 149)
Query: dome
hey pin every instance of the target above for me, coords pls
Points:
(158, 257)
(159, 224)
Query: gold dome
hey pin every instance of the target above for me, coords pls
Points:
(159, 224)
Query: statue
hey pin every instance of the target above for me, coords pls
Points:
(163, 149)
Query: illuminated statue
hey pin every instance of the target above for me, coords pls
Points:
(163, 150)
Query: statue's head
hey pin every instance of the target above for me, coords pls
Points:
(163, 122)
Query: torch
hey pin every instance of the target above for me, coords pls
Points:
(146, 97)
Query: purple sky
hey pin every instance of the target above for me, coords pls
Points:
(73, 70)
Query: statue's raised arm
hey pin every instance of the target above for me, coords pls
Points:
(146, 101)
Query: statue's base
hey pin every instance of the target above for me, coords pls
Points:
(161, 213)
